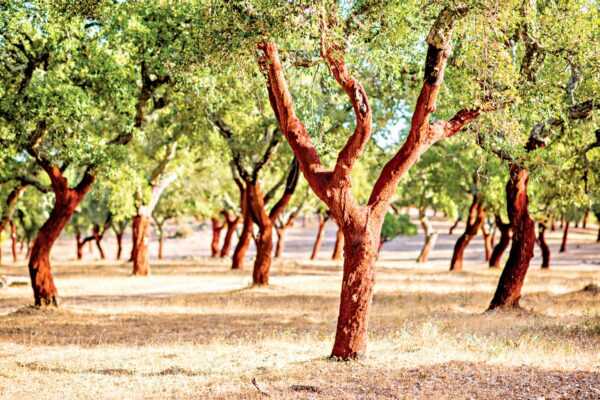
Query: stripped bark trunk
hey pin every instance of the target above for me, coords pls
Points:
(338, 246)
(319, 238)
(505, 234)
(232, 222)
(140, 227)
(544, 246)
(98, 236)
(430, 237)
(511, 281)
(217, 227)
(474, 222)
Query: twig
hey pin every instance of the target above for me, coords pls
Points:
(260, 390)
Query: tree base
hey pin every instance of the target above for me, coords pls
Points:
(49, 302)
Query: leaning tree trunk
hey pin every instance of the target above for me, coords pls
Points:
(67, 200)
(232, 224)
(474, 223)
(563, 244)
(544, 246)
(500, 248)
(98, 238)
(338, 246)
(360, 254)
(453, 227)
(217, 227)
(141, 237)
(511, 281)
(430, 237)
(319, 238)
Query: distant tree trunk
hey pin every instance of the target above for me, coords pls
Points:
(119, 236)
(281, 232)
(511, 281)
(474, 223)
(98, 235)
(585, 220)
(488, 242)
(563, 244)
(598, 238)
(338, 247)
(544, 246)
(160, 244)
(453, 227)
(319, 238)
(13, 237)
(430, 237)
(217, 227)
(553, 224)
(505, 232)
(563, 220)
(80, 244)
(66, 201)
(141, 238)
(232, 222)
(9, 204)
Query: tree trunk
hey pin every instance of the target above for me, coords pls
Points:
(217, 227)
(430, 237)
(553, 224)
(511, 281)
(474, 223)
(232, 224)
(598, 238)
(544, 246)
(119, 236)
(319, 238)
(13, 238)
(338, 247)
(585, 220)
(264, 254)
(160, 244)
(44, 291)
(141, 237)
(360, 254)
(98, 238)
(563, 244)
(280, 245)
(453, 227)
(80, 244)
(247, 227)
(487, 241)
(505, 232)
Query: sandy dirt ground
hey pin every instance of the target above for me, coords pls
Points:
(195, 329)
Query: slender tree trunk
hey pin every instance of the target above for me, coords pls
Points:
(13, 238)
(319, 238)
(553, 224)
(511, 281)
(505, 232)
(338, 247)
(67, 200)
(264, 253)
(119, 236)
(80, 244)
(160, 244)
(244, 241)
(474, 223)
(563, 244)
(453, 227)
(544, 246)
(488, 242)
(141, 237)
(232, 224)
(98, 238)
(217, 227)
(430, 237)
(360, 254)
(585, 220)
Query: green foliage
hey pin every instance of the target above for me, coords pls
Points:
(395, 225)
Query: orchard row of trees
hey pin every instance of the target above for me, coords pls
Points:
(144, 111)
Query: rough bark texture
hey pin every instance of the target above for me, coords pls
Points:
(232, 222)
(338, 246)
(474, 223)
(511, 281)
(430, 237)
(361, 225)
(217, 227)
(319, 238)
(563, 243)
(500, 248)
(66, 201)
(544, 246)
(140, 226)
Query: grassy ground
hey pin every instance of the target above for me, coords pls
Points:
(194, 329)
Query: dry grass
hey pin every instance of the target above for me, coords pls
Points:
(195, 330)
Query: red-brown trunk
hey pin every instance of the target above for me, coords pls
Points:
(247, 229)
(598, 238)
(360, 254)
(511, 281)
(319, 238)
(217, 227)
(80, 244)
(98, 238)
(563, 244)
(474, 223)
(160, 246)
(500, 248)
(119, 245)
(44, 291)
(430, 238)
(338, 247)
(585, 220)
(231, 226)
(141, 238)
(13, 238)
(453, 227)
(264, 253)
(544, 246)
